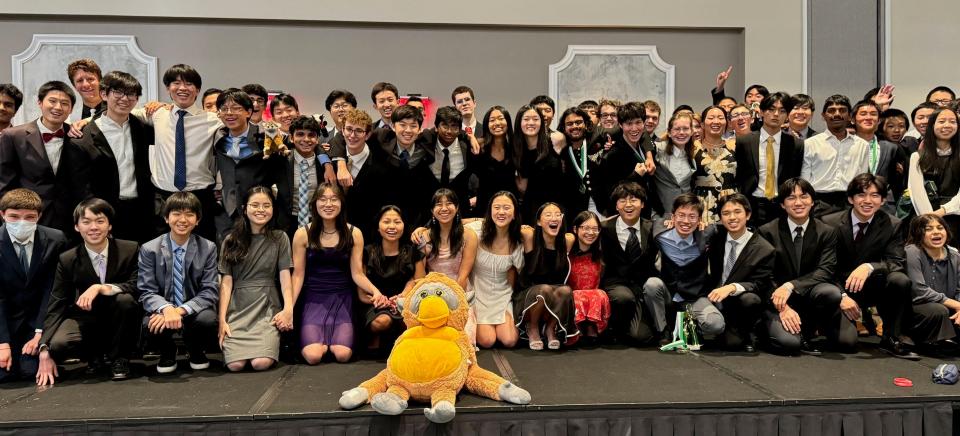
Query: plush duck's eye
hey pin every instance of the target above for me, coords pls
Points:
(423, 294)
(439, 292)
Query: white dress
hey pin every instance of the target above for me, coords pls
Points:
(488, 281)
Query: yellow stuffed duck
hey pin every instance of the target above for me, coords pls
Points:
(433, 359)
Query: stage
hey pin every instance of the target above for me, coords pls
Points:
(606, 390)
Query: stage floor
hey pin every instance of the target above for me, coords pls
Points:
(608, 378)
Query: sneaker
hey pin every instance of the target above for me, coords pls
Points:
(199, 361)
(121, 369)
(166, 365)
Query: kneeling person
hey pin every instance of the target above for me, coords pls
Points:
(92, 313)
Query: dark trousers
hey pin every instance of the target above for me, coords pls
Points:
(764, 211)
(210, 209)
(110, 328)
(741, 314)
(819, 310)
(24, 367)
(627, 317)
(891, 294)
(931, 323)
(199, 334)
(829, 202)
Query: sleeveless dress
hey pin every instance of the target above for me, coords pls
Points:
(561, 309)
(488, 281)
(255, 299)
(714, 178)
(328, 292)
(592, 303)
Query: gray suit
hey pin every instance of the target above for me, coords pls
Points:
(200, 280)
(666, 183)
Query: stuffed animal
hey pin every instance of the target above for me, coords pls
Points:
(433, 359)
(272, 140)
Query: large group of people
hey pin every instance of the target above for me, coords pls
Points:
(140, 223)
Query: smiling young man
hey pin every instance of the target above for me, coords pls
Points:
(466, 102)
(449, 148)
(85, 76)
(921, 117)
(629, 158)
(10, 101)
(209, 99)
(179, 285)
(799, 117)
(581, 183)
(870, 261)
(93, 312)
(806, 300)
(886, 159)
(31, 155)
(338, 103)
(258, 96)
(386, 98)
(111, 159)
(833, 158)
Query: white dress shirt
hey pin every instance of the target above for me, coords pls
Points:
(829, 164)
(121, 143)
(114, 290)
(201, 130)
(54, 146)
(456, 160)
(623, 234)
(762, 170)
(793, 227)
(357, 160)
(741, 242)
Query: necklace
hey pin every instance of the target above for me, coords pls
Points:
(334, 231)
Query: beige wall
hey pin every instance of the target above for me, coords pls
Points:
(923, 53)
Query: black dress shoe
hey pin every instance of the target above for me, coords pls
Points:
(897, 349)
(807, 347)
(120, 369)
(95, 366)
(749, 348)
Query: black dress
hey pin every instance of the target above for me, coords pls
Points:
(493, 176)
(390, 276)
(545, 273)
(547, 182)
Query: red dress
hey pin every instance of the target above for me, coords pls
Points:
(591, 303)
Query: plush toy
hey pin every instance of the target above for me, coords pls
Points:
(272, 140)
(433, 359)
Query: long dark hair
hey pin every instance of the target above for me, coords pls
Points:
(376, 258)
(540, 247)
(919, 225)
(487, 141)
(595, 254)
(315, 231)
(490, 229)
(520, 140)
(456, 229)
(929, 160)
(237, 242)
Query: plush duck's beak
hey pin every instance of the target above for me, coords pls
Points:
(433, 312)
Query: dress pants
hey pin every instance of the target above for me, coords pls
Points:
(627, 315)
(891, 294)
(199, 334)
(24, 367)
(764, 211)
(819, 310)
(657, 298)
(931, 323)
(109, 329)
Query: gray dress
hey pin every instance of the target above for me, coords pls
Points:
(255, 298)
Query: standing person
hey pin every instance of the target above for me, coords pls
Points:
(893, 124)
(589, 107)
(93, 312)
(466, 102)
(716, 167)
(629, 158)
(258, 96)
(177, 280)
(934, 268)
(799, 117)
(364, 174)
(545, 307)
(674, 157)
(921, 118)
(499, 158)
(391, 265)
(652, 120)
(741, 119)
(112, 162)
(305, 169)
(327, 269)
(581, 180)
(208, 101)
(608, 114)
(386, 98)
(338, 103)
(85, 76)
(884, 157)
(284, 109)
(10, 101)
(254, 257)
(449, 148)
(28, 264)
(935, 169)
(833, 158)
(540, 165)
(592, 305)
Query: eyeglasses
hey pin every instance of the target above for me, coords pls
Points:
(552, 216)
(740, 115)
(231, 110)
(352, 131)
(608, 115)
(339, 106)
(260, 206)
(686, 218)
(257, 100)
(328, 200)
(586, 229)
(118, 94)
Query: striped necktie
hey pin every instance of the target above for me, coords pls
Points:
(178, 277)
(303, 190)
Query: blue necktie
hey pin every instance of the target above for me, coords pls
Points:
(303, 215)
(178, 277)
(180, 162)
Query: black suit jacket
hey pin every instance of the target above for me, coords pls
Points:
(818, 261)
(96, 170)
(747, 154)
(753, 269)
(368, 193)
(76, 273)
(410, 188)
(24, 297)
(237, 177)
(24, 164)
(881, 246)
(620, 269)
(460, 183)
(617, 165)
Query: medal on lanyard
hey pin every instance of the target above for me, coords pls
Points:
(582, 168)
(874, 156)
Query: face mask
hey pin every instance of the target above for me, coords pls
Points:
(21, 230)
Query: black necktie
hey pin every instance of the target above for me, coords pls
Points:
(861, 230)
(405, 159)
(445, 168)
(798, 245)
(633, 244)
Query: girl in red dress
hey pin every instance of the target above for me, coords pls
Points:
(586, 267)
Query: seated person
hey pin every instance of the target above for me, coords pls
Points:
(28, 262)
(179, 285)
(92, 313)
(934, 269)
(806, 299)
(741, 264)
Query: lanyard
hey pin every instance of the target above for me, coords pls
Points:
(582, 168)
(874, 155)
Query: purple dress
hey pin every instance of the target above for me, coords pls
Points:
(327, 295)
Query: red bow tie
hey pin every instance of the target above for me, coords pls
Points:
(49, 136)
(469, 130)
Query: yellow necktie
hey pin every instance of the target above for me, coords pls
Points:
(770, 185)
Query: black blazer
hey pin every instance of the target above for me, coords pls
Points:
(619, 269)
(24, 164)
(459, 184)
(368, 193)
(411, 188)
(617, 165)
(747, 154)
(24, 297)
(753, 269)
(76, 273)
(882, 245)
(575, 199)
(237, 177)
(819, 257)
(97, 173)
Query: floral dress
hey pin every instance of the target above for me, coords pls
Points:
(714, 178)
(591, 303)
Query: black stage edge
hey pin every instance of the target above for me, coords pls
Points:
(611, 390)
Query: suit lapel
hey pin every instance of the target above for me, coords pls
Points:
(85, 266)
(810, 237)
(39, 250)
(164, 265)
(786, 239)
(100, 141)
(188, 258)
(36, 142)
(113, 258)
(786, 151)
(9, 253)
(755, 145)
(744, 254)
(846, 231)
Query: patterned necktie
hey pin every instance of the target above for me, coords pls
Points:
(102, 268)
(22, 252)
(731, 259)
(798, 245)
(303, 214)
(178, 277)
(770, 184)
(180, 159)
(861, 230)
(445, 168)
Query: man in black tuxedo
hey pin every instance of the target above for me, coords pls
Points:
(767, 152)
(30, 155)
(92, 312)
(870, 261)
(741, 267)
(806, 299)
(366, 171)
(28, 261)
(111, 160)
(629, 255)
(449, 150)
(582, 181)
(10, 101)
(629, 158)
(301, 173)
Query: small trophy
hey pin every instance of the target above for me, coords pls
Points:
(685, 336)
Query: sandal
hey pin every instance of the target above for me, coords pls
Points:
(553, 344)
(536, 345)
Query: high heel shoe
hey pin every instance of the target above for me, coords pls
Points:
(536, 345)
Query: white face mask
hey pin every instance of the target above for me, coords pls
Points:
(21, 230)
